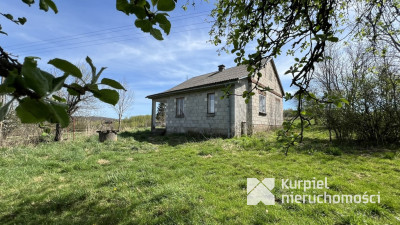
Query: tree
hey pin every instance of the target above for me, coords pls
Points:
(371, 85)
(34, 88)
(304, 28)
(126, 99)
(160, 116)
(75, 103)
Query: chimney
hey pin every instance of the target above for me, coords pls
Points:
(221, 68)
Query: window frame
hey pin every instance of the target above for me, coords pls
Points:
(178, 113)
(209, 104)
(262, 111)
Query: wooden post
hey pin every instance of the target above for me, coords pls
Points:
(153, 115)
(73, 128)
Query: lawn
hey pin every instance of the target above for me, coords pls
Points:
(181, 179)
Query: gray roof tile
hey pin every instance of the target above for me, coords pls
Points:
(217, 77)
(229, 74)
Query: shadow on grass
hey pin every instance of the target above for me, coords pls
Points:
(170, 139)
(78, 207)
(350, 147)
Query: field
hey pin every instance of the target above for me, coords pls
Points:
(181, 179)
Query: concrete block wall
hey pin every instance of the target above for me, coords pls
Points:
(274, 103)
(240, 107)
(195, 117)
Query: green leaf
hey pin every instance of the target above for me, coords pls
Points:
(112, 83)
(22, 20)
(43, 5)
(139, 12)
(8, 16)
(58, 98)
(344, 101)
(163, 23)
(107, 95)
(333, 39)
(72, 92)
(4, 110)
(58, 83)
(89, 61)
(4, 89)
(58, 113)
(32, 111)
(33, 77)
(93, 87)
(166, 5)
(338, 104)
(100, 72)
(66, 66)
(36, 111)
(29, 2)
(156, 33)
(75, 89)
(50, 78)
(123, 6)
(144, 25)
(52, 5)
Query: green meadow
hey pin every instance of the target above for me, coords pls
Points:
(189, 179)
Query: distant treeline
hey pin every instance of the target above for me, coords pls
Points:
(137, 121)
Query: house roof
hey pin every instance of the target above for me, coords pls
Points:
(211, 79)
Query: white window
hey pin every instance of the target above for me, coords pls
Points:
(262, 104)
(211, 103)
(179, 107)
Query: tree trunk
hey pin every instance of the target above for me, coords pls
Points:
(1, 122)
(58, 136)
(119, 122)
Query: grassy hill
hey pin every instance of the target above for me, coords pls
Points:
(181, 179)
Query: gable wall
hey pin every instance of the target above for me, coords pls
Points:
(274, 104)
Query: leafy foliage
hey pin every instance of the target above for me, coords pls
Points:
(147, 20)
(34, 89)
(371, 111)
(303, 29)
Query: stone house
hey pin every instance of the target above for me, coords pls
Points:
(196, 105)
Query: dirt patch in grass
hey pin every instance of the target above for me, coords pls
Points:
(103, 162)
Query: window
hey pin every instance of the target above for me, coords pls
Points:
(211, 103)
(179, 107)
(262, 109)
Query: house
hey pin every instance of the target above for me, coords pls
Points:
(196, 105)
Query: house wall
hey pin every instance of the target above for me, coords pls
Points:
(241, 109)
(195, 117)
(274, 103)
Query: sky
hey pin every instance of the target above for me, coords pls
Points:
(96, 29)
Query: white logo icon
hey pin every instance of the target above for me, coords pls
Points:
(260, 191)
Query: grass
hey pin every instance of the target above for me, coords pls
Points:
(181, 179)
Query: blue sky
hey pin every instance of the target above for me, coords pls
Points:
(96, 29)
